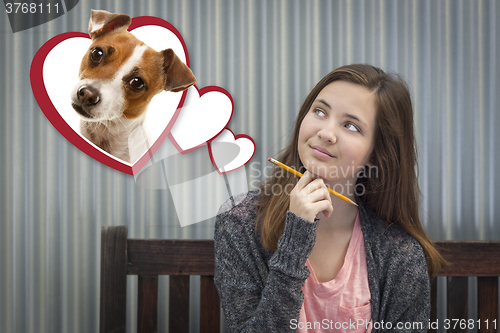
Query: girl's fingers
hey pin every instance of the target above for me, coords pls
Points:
(309, 197)
(314, 185)
(318, 195)
(324, 206)
(327, 212)
(306, 178)
(322, 195)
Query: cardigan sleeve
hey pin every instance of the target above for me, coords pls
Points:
(259, 295)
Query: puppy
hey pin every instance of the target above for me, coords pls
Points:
(118, 77)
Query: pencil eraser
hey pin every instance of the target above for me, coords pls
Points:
(269, 159)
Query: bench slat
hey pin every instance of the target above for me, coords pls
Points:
(434, 292)
(147, 310)
(209, 314)
(457, 301)
(179, 304)
(471, 258)
(113, 279)
(170, 257)
(487, 305)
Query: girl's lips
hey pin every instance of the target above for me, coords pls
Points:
(320, 153)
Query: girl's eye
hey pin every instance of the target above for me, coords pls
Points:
(319, 112)
(352, 127)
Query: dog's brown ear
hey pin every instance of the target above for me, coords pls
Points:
(102, 22)
(179, 76)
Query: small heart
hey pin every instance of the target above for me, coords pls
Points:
(205, 114)
(54, 71)
(224, 152)
(225, 158)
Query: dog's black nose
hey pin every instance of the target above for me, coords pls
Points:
(88, 95)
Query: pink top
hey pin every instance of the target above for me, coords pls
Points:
(342, 304)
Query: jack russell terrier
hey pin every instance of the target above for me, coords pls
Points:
(119, 75)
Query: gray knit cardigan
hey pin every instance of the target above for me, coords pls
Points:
(261, 291)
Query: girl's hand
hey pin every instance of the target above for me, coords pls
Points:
(309, 197)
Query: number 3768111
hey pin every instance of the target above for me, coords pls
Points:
(30, 8)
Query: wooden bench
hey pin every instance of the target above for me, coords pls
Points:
(149, 258)
(469, 258)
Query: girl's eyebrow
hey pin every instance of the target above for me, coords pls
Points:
(347, 115)
(324, 102)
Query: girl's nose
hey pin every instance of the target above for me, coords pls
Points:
(327, 134)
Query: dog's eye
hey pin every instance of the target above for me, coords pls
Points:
(96, 54)
(137, 83)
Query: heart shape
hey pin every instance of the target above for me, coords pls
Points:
(205, 114)
(224, 158)
(54, 71)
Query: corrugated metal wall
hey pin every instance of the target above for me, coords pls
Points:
(267, 55)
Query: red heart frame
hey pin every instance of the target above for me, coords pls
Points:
(236, 137)
(46, 105)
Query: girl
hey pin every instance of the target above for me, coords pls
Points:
(292, 257)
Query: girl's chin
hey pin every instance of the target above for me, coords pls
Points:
(321, 170)
(318, 173)
(332, 176)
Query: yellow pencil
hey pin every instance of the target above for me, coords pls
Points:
(298, 174)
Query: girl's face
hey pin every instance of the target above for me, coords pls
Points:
(337, 135)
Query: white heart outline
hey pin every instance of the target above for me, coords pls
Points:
(186, 118)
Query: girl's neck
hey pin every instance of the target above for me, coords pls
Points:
(346, 187)
(343, 216)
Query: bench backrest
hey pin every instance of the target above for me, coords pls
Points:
(469, 258)
(149, 258)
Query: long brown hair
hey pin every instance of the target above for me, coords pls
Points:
(393, 194)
